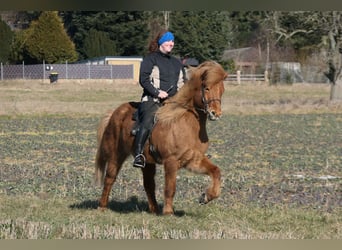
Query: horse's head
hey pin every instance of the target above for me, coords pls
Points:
(202, 93)
(208, 98)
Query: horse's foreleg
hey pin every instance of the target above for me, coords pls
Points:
(208, 168)
(111, 174)
(214, 189)
(170, 168)
(149, 172)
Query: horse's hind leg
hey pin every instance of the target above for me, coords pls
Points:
(113, 169)
(149, 172)
(170, 167)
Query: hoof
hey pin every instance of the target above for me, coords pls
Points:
(168, 212)
(203, 199)
(102, 209)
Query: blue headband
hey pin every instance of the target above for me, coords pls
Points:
(168, 36)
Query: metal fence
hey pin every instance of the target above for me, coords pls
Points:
(66, 71)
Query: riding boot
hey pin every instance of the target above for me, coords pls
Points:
(139, 143)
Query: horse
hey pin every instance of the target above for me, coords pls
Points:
(178, 140)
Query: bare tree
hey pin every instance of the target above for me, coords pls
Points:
(332, 23)
(329, 24)
(281, 32)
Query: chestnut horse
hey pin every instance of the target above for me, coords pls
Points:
(179, 138)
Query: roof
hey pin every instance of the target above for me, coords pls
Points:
(112, 58)
(190, 62)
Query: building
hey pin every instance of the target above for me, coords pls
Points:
(245, 59)
(118, 60)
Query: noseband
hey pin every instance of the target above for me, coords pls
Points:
(206, 102)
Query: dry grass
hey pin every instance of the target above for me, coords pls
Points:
(236, 222)
(95, 97)
(275, 99)
(65, 97)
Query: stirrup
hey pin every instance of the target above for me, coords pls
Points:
(137, 161)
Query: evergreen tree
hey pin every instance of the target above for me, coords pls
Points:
(18, 53)
(98, 43)
(6, 36)
(201, 34)
(247, 28)
(47, 40)
(126, 29)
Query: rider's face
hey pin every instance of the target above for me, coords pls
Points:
(167, 46)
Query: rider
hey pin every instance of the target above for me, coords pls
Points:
(161, 76)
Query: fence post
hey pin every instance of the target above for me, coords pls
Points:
(23, 70)
(66, 69)
(2, 73)
(44, 71)
(238, 76)
(266, 76)
(89, 70)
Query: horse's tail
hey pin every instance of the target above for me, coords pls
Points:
(100, 160)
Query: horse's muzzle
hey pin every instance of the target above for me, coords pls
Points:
(213, 116)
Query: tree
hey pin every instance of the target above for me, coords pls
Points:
(331, 25)
(18, 52)
(246, 28)
(98, 43)
(201, 34)
(320, 30)
(47, 40)
(6, 36)
(130, 32)
(126, 29)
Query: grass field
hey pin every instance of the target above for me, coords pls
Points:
(279, 149)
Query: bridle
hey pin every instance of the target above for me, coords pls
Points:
(206, 102)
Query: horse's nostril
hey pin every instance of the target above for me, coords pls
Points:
(213, 116)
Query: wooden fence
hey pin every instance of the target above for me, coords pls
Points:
(238, 77)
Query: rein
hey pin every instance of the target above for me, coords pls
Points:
(205, 101)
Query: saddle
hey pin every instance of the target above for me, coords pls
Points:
(135, 117)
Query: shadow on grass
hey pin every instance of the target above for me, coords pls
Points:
(132, 205)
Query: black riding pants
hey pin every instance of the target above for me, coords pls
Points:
(147, 111)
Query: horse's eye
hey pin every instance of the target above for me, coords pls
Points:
(206, 89)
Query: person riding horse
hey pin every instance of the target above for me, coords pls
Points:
(161, 76)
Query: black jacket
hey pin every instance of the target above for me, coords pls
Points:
(160, 71)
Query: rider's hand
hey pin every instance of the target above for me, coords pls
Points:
(162, 94)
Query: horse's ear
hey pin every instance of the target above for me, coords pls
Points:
(189, 67)
(188, 71)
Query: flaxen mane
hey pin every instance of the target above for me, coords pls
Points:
(174, 108)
